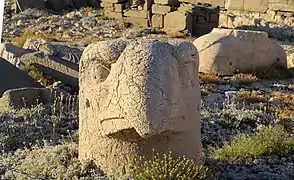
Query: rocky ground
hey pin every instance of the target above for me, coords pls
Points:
(231, 106)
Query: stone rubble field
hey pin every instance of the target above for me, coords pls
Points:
(247, 119)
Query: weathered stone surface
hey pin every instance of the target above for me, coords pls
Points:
(256, 5)
(281, 5)
(150, 98)
(106, 4)
(160, 9)
(157, 21)
(234, 5)
(114, 15)
(226, 51)
(220, 3)
(137, 14)
(184, 22)
(34, 43)
(167, 2)
(114, 1)
(12, 53)
(12, 77)
(290, 60)
(65, 52)
(27, 97)
(137, 22)
(53, 66)
(119, 7)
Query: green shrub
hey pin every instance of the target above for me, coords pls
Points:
(51, 162)
(269, 141)
(167, 168)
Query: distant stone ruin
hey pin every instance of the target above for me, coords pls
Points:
(136, 95)
(199, 17)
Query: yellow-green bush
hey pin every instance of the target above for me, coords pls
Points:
(269, 141)
(167, 168)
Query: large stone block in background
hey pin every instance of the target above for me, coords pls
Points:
(235, 5)
(28, 97)
(183, 21)
(137, 95)
(256, 5)
(220, 3)
(281, 5)
(53, 66)
(11, 77)
(227, 51)
(12, 53)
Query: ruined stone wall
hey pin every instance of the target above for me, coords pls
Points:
(198, 17)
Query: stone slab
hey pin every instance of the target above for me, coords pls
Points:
(281, 5)
(160, 9)
(234, 5)
(167, 2)
(137, 22)
(114, 1)
(119, 7)
(137, 14)
(220, 3)
(256, 5)
(114, 15)
(157, 21)
(106, 4)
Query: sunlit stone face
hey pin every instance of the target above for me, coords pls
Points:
(133, 92)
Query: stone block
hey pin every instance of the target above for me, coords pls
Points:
(183, 22)
(114, 1)
(137, 22)
(167, 2)
(256, 5)
(160, 9)
(281, 5)
(157, 21)
(137, 14)
(220, 3)
(28, 97)
(119, 7)
(234, 5)
(114, 15)
(106, 5)
(147, 5)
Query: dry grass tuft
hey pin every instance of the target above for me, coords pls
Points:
(252, 96)
(30, 33)
(244, 78)
(210, 78)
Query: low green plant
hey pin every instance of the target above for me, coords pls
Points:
(268, 141)
(167, 168)
(242, 78)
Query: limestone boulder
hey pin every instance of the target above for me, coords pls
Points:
(184, 22)
(53, 66)
(227, 51)
(11, 77)
(28, 97)
(136, 95)
(12, 53)
(34, 43)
